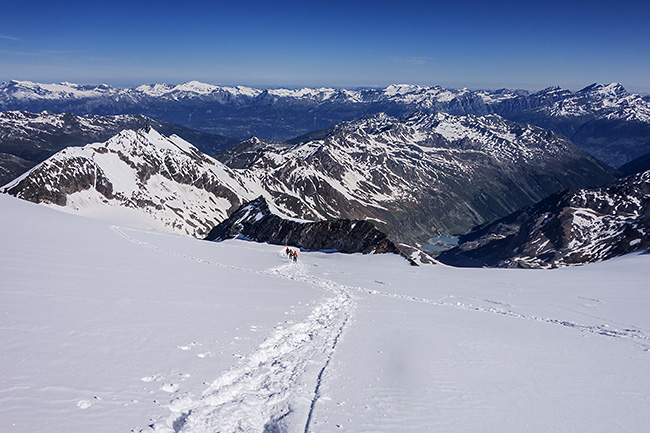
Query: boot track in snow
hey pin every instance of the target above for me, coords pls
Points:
(281, 378)
(277, 379)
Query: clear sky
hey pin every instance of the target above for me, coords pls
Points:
(528, 44)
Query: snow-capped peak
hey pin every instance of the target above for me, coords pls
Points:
(607, 90)
(29, 90)
(400, 89)
(196, 87)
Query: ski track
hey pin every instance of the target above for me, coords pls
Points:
(284, 374)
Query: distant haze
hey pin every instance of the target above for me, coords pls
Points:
(342, 44)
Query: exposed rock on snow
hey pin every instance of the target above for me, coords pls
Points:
(418, 176)
(34, 137)
(256, 221)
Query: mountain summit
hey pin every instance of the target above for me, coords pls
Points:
(138, 173)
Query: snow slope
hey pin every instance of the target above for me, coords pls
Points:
(105, 328)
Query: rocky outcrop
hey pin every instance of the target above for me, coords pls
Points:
(12, 166)
(257, 222)
(571, 227)
(415, 178)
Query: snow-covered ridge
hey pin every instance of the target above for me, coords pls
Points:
(379, 165)
(588, 117)
(26, 123)
(28, 90)
(610, 101)
(64, 90)
(138, 173)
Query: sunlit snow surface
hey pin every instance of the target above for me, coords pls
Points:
(104, 328)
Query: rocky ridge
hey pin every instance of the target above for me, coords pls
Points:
(33, 137)
(257, 221)
(164, 180)
(417, 176)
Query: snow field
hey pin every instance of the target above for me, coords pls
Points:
(91, 320)
(107, 328)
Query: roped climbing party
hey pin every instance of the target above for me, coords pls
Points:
(293, 255)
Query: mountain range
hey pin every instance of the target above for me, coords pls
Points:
(605, 120)
(413, 177)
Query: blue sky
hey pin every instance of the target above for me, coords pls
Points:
(475, 44)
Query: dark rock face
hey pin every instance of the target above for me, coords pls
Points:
(163, 178)
(415, 178)
(571, 227)
(255, 221)
(604, 120)
(12, 166)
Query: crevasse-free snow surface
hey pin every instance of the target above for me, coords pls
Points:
(106, 328)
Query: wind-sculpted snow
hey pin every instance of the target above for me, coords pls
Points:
(638, 337)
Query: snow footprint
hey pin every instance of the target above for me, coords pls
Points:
(189, 346)
(153, 378)
(84, 404)
(169, 387)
